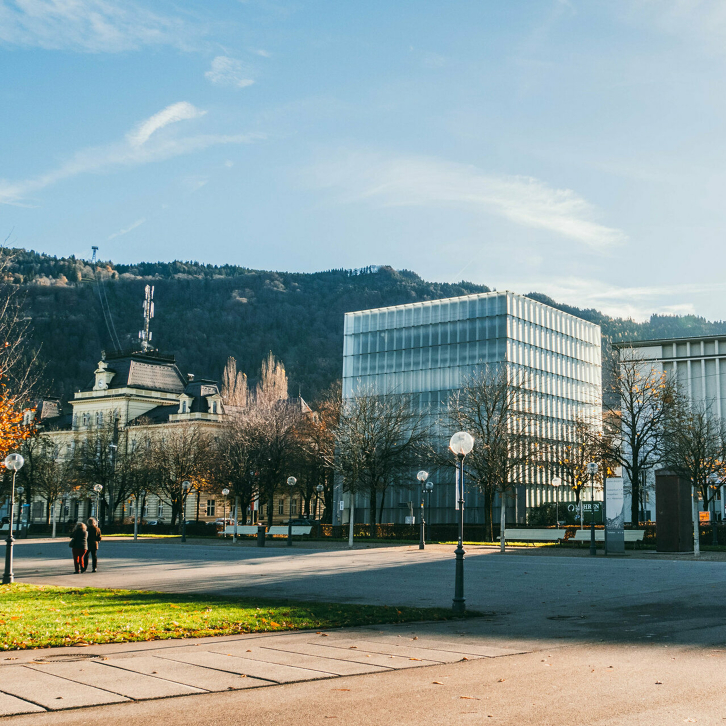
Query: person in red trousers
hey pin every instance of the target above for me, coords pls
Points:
(79, 546)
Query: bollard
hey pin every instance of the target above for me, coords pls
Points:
(261, 529)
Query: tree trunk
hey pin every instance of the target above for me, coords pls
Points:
(270, 508)
(635, 498)
(136, 520)
(490, 514)
(352, 520)
(236, 517)
(53, 517)
(380, 509)
(502, 519)
(373, 504)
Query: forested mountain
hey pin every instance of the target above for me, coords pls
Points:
(205, 313)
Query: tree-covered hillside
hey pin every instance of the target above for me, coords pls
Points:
(205, 313)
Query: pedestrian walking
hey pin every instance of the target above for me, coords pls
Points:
(94, 537)
(79, 546)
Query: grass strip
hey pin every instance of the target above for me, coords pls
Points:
(40, 616)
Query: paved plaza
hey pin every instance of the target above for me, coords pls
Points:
(563, 638)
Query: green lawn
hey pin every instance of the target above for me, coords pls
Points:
(37, 616)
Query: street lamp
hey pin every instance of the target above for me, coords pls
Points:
(185, 487)
(225, 494)
(291, 481)
(318, 491)
(592, 470)
(422, 476)
(461, 444)
(98, 488)
(19, 490)
(429, 488)
(14, 462)
(557, 483)
(715, 484)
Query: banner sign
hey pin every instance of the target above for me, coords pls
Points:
(614, 516)
(456, 493)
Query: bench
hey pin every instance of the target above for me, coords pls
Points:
(241, 529)
(534, 535)
(631, 535)
(281, 530)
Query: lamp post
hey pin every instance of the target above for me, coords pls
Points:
(318, 491)
(14, 462)
(185, 487)
(461, 444)
(592, 470)
(225, 494)
(429, 488)
(557, 483)
(713, 481)
(291, 481)
(98, 488)
(19, 490)
(422, 476)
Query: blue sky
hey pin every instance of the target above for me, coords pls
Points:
(574, 148)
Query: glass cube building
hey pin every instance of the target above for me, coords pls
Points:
(428, 348)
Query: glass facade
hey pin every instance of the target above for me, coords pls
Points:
(428, 348)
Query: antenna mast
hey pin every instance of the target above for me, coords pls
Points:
(145, 334)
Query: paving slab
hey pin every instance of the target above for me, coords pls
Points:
(12, 706)
(190, 675)
(406, 650)
(299, 660)
(392, 662)
(244, 666)
(125, 683)
(454, 645)
(52, 692)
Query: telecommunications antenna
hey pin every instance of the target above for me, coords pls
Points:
(145, 334)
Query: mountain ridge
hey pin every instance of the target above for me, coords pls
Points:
(205, 313)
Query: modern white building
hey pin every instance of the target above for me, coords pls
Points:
(428, 348)
(699, 365)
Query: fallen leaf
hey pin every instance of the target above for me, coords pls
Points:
(501, 680)
(353, 647)
(414, 659)
(471, 698)
(659, 683)
(438, 683)
(341, 689)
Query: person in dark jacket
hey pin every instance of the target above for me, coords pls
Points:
(79, 546)
(94, 537)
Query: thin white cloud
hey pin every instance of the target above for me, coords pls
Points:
(181, 111)
(150, 145)
(261, 52)
(227, 71)
(128, 229)
(426, 182)
(638, 302)
(702, 21)
(95, 26)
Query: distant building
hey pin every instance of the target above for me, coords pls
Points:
(428, 348)
(699, 365)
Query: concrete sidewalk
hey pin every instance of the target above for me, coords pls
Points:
(56, 679)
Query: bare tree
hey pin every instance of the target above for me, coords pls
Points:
(316, 437)
(583, 442)
(181, 453)
(379, 438)
(100, 457)
(236, 458)
(494, 405)
(235, 391)
(637, 407)
(695, 449)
